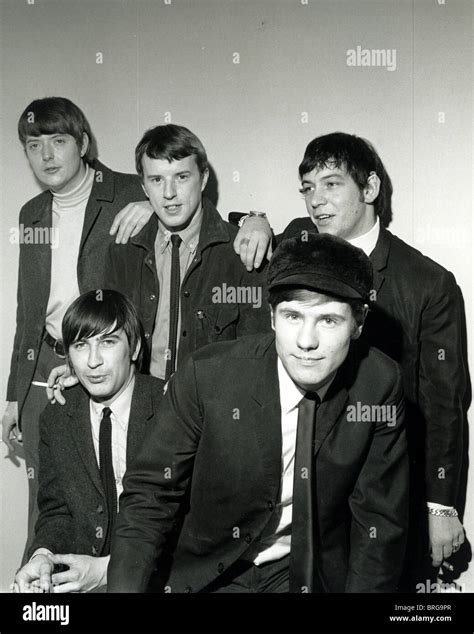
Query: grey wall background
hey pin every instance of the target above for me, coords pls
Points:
(176, 59)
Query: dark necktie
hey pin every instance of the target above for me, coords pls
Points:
(175, 284)
(107, 472)
(302, 555)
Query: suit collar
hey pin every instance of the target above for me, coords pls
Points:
(379, 257)
(141, 411)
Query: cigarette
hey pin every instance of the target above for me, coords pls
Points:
(449, 567)
(39, 383)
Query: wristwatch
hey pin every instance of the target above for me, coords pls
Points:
(257, 214)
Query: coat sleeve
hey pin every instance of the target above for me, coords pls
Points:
(55, 525)
(20, 324)
(155, 485)
(442, 385)
(379, 507)
(254, 316)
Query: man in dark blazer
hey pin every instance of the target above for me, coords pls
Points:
(276, 497)
(102, 334)
(416, 318)
(64, 233)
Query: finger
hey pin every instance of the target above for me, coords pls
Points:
(45, 577)
(236, 244)
(269, 250)
(64, 577)
(9, 444)
(260, 254)
(124, 231)
(437, 556)
(252, 251)
(447, 551)
(73, 586)
(68, 560)
(118, 220)
(58, 396)
(140, 222)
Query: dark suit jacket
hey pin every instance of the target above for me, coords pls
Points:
(110, 193)
(131, 269)
(72, 504)
(417, 320)
(219, 440)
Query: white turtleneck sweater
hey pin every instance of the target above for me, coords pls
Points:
(68, 219)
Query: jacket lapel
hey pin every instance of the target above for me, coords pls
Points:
(42, 249)
(379, 257)
(80, 426)
(141, 411)
(266, 395)
(102, 189)
(329, 411)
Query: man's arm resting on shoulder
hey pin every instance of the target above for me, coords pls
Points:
(379, 506)
(155, 484)
(130, 221)
(254, 240)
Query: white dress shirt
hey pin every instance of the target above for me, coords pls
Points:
(275, 541)
(120, 413)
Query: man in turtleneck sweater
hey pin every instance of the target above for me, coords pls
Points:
(72, 223)
(416, 318)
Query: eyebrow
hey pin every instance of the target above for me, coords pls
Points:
(177, 174)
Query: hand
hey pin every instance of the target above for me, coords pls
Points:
(85, 573)
(35, 576)
(10, 429)
(253, 241)
(444, 532)
(130, 221)
(59, 379)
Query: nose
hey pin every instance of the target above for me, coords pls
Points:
(307, 337)
(169, 190)
(95, 357)
(47, 151)
(317, 198)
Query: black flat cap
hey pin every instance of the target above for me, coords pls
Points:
(324, 263)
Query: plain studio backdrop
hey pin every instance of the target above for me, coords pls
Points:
(256, 80)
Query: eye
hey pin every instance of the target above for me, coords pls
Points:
(332, 184)
(33, 146)
(328, 322)
(183, 177)
(60, 141)
(292, 317)
(108, 342)
(79, 345)
(306, 190)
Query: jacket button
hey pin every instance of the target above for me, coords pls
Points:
(94, 550)
(185, 333)
(188, 589)
(270, 506)
(200, 314)
(186, 293)
(152, 297)
(248, 538)
(220, 568)
(147, 335)
(100, 509)
(150, 261)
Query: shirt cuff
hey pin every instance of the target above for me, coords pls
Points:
(41, 551)
(435, 505)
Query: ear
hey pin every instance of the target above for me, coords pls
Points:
(358, 329)
(205, 177)
(138, 347)
(85, 144)
(272, 315)
(372, 188)
(143, 187)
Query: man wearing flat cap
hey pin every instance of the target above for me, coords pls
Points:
(283, 455)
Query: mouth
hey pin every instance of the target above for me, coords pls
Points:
(52, 170)
(173, 208)
(97, 378)
(323, 218)
(306, 360)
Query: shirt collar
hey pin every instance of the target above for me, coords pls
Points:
(368, 240)
(290, 393)
(189, 235)
(120, 407)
